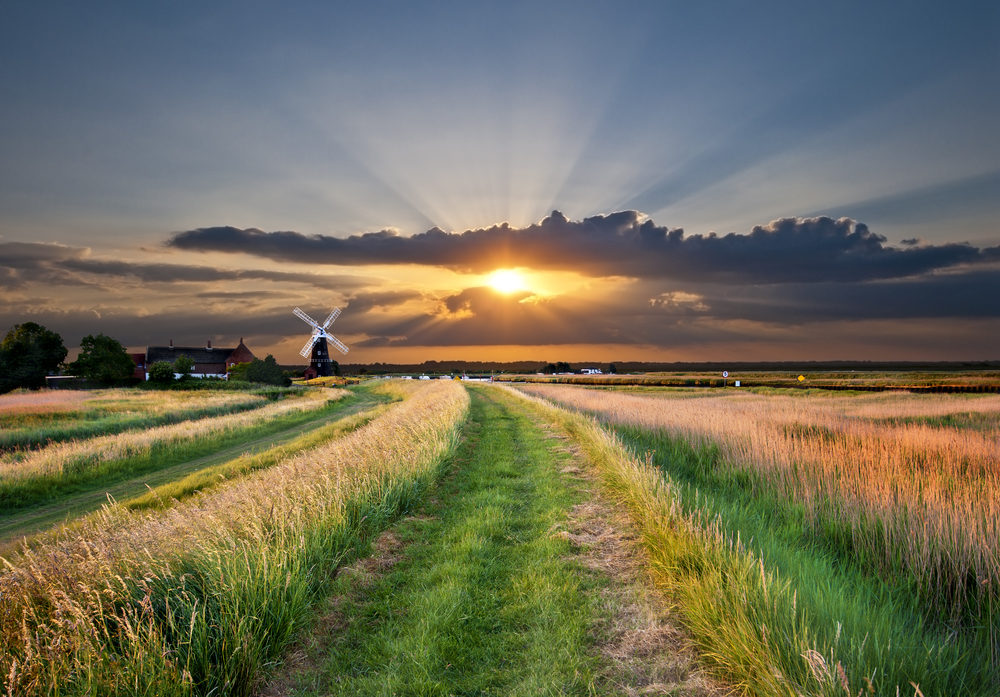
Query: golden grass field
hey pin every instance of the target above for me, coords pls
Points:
(915, 492)
(895, 493)
(87, 607)
(59, 457)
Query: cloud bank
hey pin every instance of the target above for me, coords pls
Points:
(799, 250)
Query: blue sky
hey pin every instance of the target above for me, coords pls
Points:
(124, 125)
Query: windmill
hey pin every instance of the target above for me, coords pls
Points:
(317, 344)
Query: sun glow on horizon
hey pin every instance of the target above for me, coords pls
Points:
(507, 281)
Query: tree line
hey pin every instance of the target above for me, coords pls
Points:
(29, 352)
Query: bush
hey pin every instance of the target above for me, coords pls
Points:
(161, 372)
(266, 371)
(184, 365)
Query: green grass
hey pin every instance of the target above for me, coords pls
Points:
(877, 625)
(972, 420)
(168, 473)
(41, 429)
(485, 600)
(209, 615)
(351, 416)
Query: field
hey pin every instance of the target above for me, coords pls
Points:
(409, 537)
(912, 381)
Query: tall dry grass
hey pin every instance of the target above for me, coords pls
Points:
(915, 498)
(197, 599)
(31, 421)
(40, 401)
(757, 627)
(72, 456)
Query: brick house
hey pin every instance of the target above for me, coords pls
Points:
(209, 361)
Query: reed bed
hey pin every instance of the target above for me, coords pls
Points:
(57, 416)
(199, 598)
(915, 498)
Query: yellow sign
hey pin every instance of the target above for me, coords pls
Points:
(801, 378)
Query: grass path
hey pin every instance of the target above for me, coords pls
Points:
(15, 525)
(483, 591)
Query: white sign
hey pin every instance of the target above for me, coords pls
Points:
(725, 373)
(737, 383)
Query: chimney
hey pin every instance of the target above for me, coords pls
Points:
(209, 343)
(171, 343)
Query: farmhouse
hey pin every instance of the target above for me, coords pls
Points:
(209, 361)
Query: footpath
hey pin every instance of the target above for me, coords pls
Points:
(513, 578)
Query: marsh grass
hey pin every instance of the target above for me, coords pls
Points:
(775, 614)
(200, 597)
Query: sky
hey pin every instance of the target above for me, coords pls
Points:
(661, 181)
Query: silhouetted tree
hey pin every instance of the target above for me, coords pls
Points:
(28, 353)
(103, 360)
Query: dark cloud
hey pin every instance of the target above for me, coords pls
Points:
(191, 324)
(365, 301)
(974, 295)
(25, 261)
(802, 250)
(646, 313)
(240, 295)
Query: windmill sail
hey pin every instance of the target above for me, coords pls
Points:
(308, 347)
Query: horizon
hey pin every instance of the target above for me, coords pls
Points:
(642, 179)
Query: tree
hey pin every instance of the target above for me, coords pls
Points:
(266, 371)
(612, 369)
(28, 353)
(184, 365)
(161, 372)
(238, 371)
(103, 360)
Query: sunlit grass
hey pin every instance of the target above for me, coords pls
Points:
(27, 478)
(485, 599)
(911, 497)
(749, 564)
(62, 415)
(196, 599)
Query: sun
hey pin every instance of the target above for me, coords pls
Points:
(506, 281)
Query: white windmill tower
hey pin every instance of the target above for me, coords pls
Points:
(317, 344)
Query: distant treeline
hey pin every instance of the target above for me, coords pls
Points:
(479, 367)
